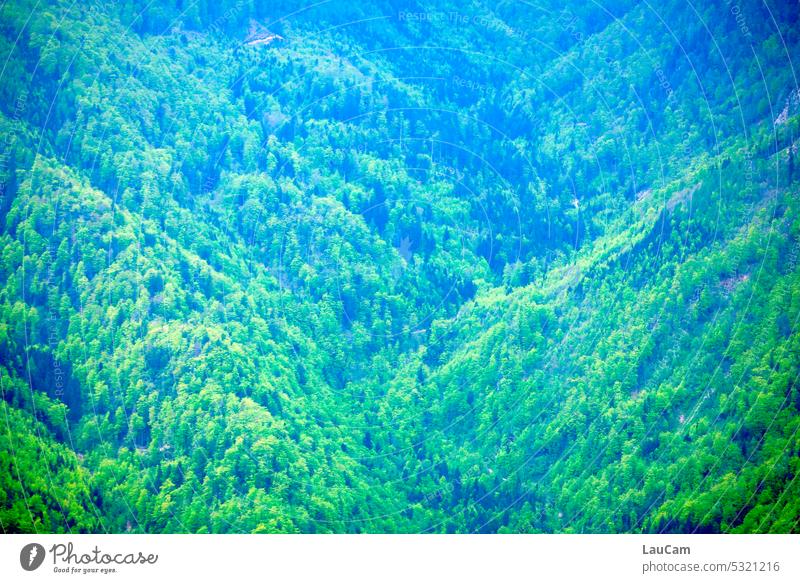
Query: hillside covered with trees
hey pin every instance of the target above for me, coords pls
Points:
(399, 266)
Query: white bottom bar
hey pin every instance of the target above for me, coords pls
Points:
(377, 558)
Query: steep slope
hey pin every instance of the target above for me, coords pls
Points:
(403, 269)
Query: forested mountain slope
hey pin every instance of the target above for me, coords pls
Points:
(399, 267)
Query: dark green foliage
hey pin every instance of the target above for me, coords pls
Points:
(471, 268)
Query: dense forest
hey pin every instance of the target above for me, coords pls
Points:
(399, 266)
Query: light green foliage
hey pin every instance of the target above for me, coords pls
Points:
(504, 269)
